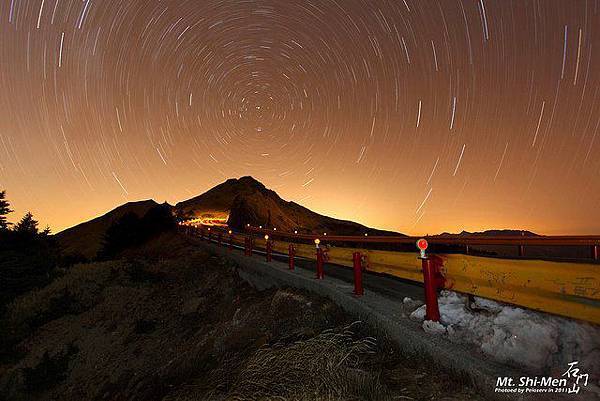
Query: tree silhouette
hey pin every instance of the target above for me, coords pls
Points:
(123, 233)
(27, 225)
(157, 220)
(131, 231)
(4, 210)
(28, 259)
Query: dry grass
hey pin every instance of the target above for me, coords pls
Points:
(74, 292)
(325, 367)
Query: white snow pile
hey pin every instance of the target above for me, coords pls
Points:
(516, 336)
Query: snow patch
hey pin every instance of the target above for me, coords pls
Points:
(411, 304)
(540, 342)
(432, 327)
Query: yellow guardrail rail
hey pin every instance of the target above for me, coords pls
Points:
(562, 288)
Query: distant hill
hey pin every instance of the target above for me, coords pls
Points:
(86, 238)
(236, 202)
(247, 201)
(491, 233)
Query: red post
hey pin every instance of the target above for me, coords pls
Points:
(595, 252)
(358, 287)
(269, 250)
(320, 271)
(291, 254)
(431, 282)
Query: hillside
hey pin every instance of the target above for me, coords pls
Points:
(247, 201)
(86, 238)
(182, 325)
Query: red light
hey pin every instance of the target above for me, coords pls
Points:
(422, 244)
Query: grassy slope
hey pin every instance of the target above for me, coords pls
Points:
(86, 238)
(181, 325)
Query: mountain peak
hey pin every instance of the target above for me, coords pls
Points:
(246, 181)
(249, 179)
(245, 200)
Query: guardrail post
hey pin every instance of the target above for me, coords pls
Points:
(291, 254)
(521, 251)
(432, 311)
(432, 280)
(595, 252)
(358, 287)
(269, 247)
(320, 271)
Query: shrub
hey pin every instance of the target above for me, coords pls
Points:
(131, 231)
(26, 262)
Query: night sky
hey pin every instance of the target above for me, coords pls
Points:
(416, 116)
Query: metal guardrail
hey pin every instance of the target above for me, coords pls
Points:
(562, 288)
(519, 241)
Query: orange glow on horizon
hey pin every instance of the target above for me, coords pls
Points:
(417, 121)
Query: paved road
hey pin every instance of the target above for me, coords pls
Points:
(387, 286)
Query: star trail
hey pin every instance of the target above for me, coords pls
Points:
(415, 116)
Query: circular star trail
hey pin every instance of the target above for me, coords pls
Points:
(416, 116)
